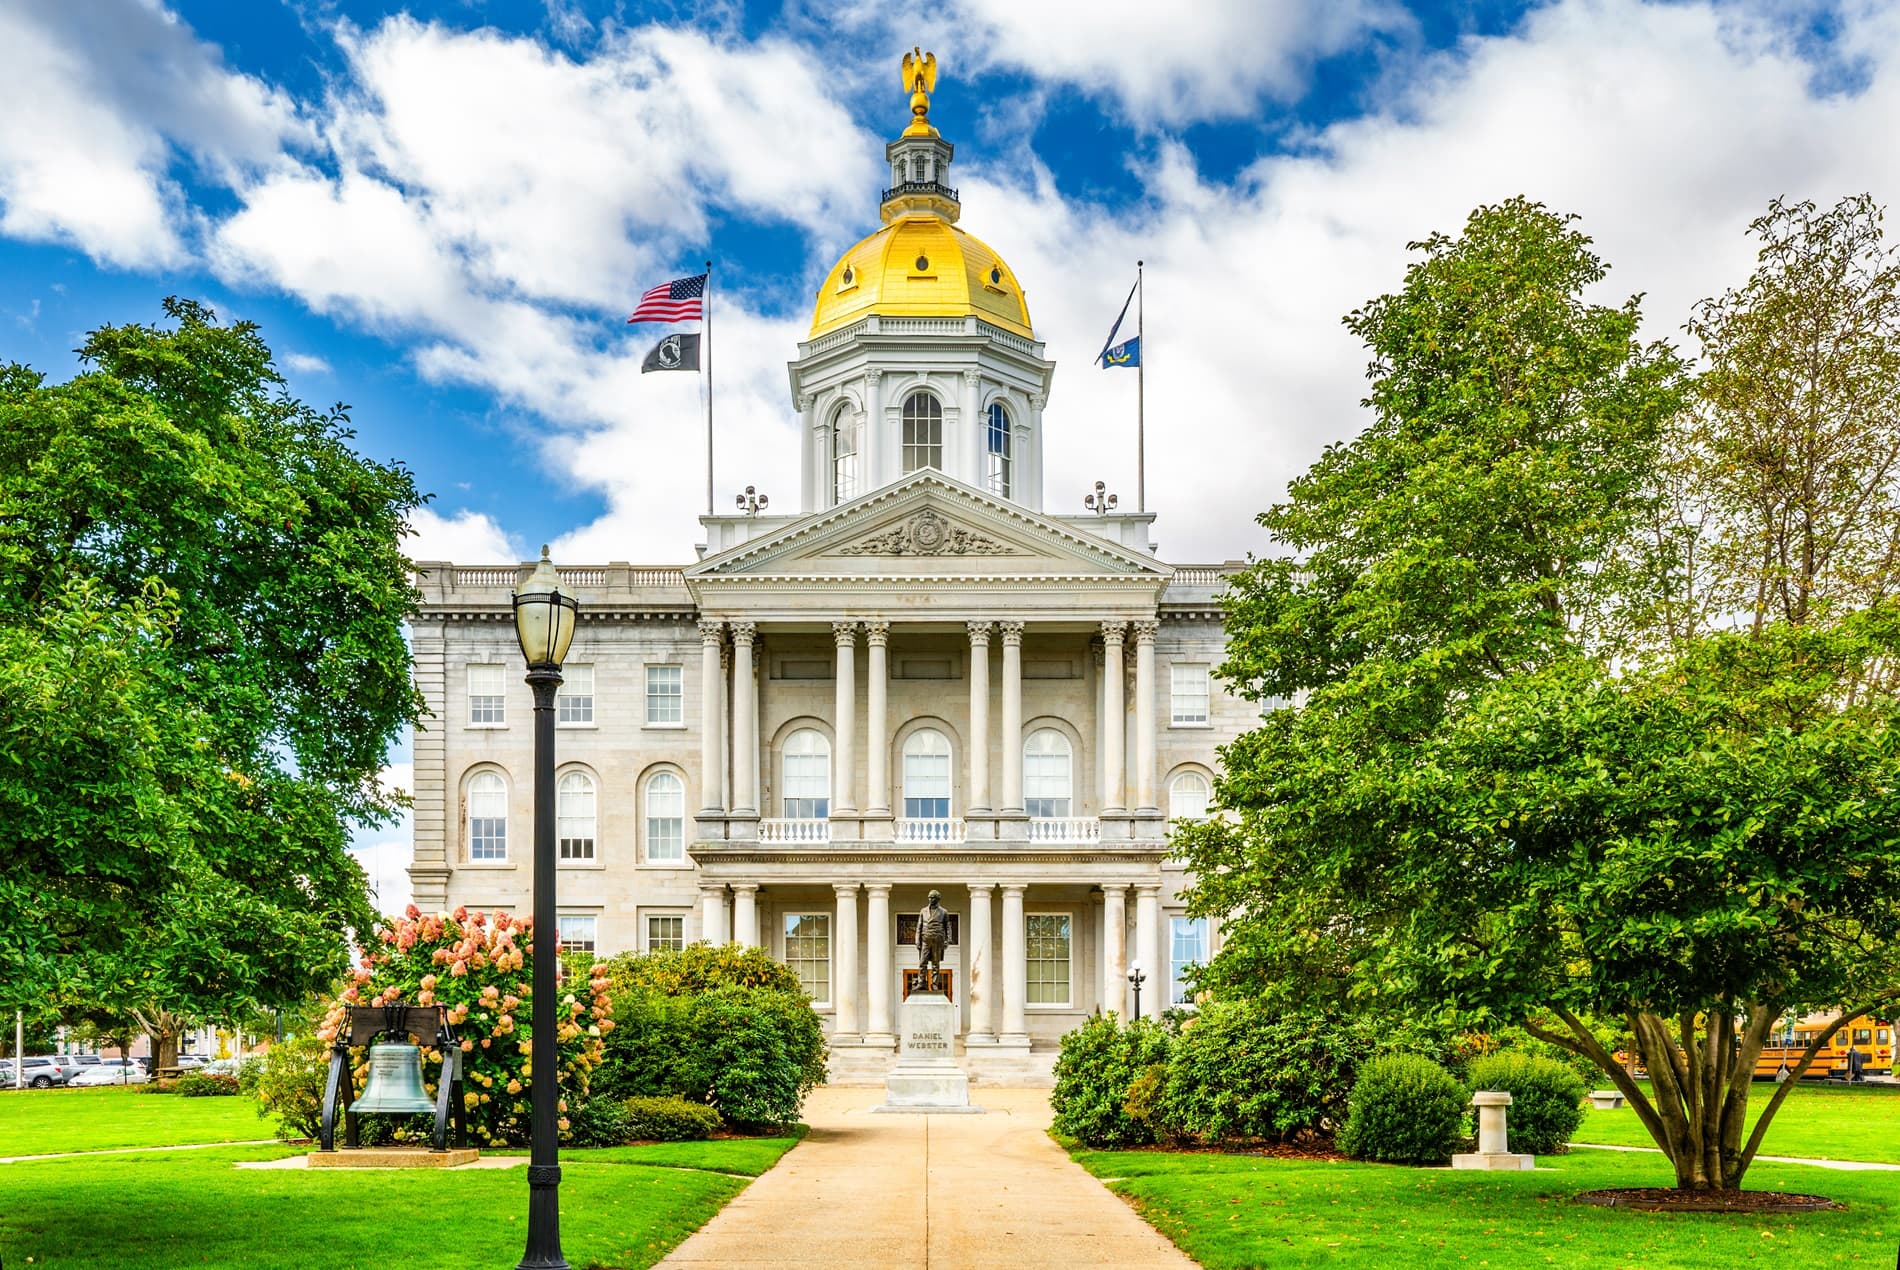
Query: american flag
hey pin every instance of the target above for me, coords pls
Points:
(675, 301)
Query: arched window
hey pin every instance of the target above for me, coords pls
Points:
(923, 432)
(1047, 774)
(844, 456)
(666, 818)
(1188, 796)
(998, 452)
(574, 816)
(487, 817)
(806, 765)
(927, 775)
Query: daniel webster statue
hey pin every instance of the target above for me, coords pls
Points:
(933, 936)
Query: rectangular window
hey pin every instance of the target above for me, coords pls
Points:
(666, 819)
(1048, 959)
(1187, 945)
(807, 786)
(574, 701)
(808, 952)
(666, 933)
(1189, 684)
(574, 817)
(578, 932)
(665, 694)
(485, 696)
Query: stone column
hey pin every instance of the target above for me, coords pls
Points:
(1012, 738)
(981, 985)
(712, 794)
(745, 722)
(712, 914)
(1015, 966)
(1145, 715)
(1114, 719)
(1115, 955)
(979, 800)
(844, 944)
(1154, 993)
(745, 914)
(844, 764)
(877, 737)
(881, 944)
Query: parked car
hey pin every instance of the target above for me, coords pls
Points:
(191, 1060)
(86, 1060)
(37, 1072)
(113, 1071)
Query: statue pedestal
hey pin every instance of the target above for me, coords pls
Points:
(927, 1078)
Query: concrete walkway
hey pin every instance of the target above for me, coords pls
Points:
(933, 1192)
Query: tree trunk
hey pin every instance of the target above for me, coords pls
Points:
(164, 1049)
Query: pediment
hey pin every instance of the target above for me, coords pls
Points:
(927, 524)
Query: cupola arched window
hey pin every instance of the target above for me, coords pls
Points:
(923, 432)
(998, 452)
(927, 775)
(844, 456)
(1048, 774)
(805, 765)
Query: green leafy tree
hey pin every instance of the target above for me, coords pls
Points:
(202, 591)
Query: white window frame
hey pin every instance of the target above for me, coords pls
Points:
(948, 758)
(1182, 701)
(677, 697)
(999, 465)
(470, 794)
(1207, 799)
(1204, 943)
(574, 699)
(844, 455)
(802, 795)
(787, 936)
(927, 422)
(489, 707)
(576, 817)
(1039, 776)
(647, 818)
(670, 942)
(1031, 962)
(593, 931)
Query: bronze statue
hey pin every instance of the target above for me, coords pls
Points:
(933, 936)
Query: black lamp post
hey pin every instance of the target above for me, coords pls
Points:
(1137, 977)
(544, 623)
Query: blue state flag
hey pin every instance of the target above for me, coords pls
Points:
(1126, 353)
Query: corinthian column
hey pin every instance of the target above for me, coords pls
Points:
(979, 716)
(712, 793)
(1012, 737)
(844, 996)
(1154, 1000)
(1145, 715)
(745, 913)
(1114, 719)
(1115, 960)
(877, 737)
(1015, 966)
(745, 722)
(880, 943)
(844, 718)
(982, 973)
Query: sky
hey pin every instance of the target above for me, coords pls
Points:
(440, 214)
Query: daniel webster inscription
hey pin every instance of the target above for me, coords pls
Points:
(927, 1077)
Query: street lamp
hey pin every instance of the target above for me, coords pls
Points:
(1136, 977)
(544, 623)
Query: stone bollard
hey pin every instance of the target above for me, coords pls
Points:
(1493, 1151)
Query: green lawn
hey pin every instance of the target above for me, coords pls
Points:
(1825, 1122)
(42, 1121)
(1242, 1211)
(626, 1207)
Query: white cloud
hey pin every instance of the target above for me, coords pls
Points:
(306, 363)
(96, 100)
(466, 536)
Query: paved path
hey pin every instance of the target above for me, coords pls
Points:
(932, 1192)
(189, 1146)
(1851, 1166)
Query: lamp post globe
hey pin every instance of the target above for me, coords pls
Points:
(544, 625)
(1136, 977)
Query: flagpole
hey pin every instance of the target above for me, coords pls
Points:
(709, 389)
(1141, 373)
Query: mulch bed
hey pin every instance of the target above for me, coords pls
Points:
(1668, 1199)
(1310, 1151)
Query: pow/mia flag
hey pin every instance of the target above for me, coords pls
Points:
(675, 352)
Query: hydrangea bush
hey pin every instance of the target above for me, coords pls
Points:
(479, 969)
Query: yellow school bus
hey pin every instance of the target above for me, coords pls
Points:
(1872, 1038)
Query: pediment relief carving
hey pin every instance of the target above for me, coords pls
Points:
(927, 533)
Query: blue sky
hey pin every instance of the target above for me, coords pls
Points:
(441, 213)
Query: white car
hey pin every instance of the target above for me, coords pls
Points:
(114, 1071)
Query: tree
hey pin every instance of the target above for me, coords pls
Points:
(202, 665)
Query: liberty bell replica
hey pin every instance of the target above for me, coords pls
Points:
(394, 1086)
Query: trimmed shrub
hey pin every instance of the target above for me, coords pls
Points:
(1095, 1072)
(1546, 1099)
(699, 968)
(1145, 1105)
(1405, 1110)
(1245, 1071)
(248, 1072)
(598, 1122)
(290, 1086)
(646, 1055)
(669, 1119)
(205, 1085)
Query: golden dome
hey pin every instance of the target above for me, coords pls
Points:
(920, 266)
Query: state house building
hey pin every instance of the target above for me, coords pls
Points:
(924, 679)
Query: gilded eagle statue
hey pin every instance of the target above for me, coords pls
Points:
(920, 78)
